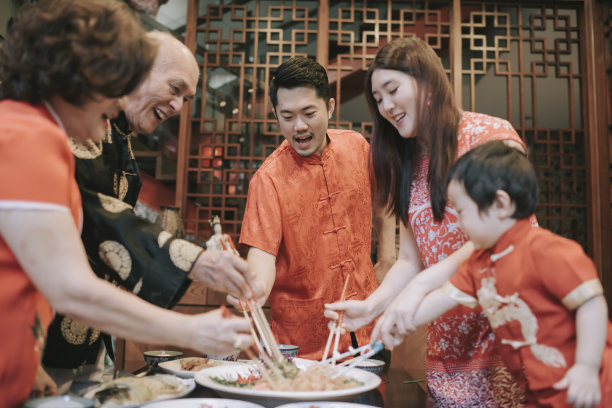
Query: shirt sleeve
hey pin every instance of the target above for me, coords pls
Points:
(460, 287)
(261, 224)
(35, 166)
(134, 252)
(565, 270)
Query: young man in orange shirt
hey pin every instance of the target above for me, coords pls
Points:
(308, 219)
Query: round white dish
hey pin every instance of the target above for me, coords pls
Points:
(174, 366)
(323, 404)
(203, 403)
(190, 387)
(269, 398)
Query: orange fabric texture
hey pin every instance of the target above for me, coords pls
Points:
(36, 172)
(315, 215)
(539, 269)
(465, 371)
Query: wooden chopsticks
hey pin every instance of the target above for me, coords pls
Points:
(334, 330)
(263, 328)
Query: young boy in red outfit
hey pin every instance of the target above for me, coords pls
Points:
(540, 291)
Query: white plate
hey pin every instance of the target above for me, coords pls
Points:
(319, 404)
(189, 382)
(203, 403)
(174, 366)
(270, 398)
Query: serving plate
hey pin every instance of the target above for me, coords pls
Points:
(174, 366)
(190, 386)
(325, 404)
(269, 398)
(203, 403)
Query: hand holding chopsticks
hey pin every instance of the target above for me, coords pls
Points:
(335, 328)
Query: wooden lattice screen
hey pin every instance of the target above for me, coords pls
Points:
(520, 62)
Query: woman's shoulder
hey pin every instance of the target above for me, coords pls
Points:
(21, 121)
(476, 120)
(476, 128)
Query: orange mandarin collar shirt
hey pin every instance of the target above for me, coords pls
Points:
(314, 214)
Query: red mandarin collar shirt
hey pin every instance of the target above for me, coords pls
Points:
(529, 286)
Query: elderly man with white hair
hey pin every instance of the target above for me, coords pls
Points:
(121, 247)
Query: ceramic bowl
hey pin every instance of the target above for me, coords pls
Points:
(154, 357)
(371, 365)
(233, 356)
(289, 350)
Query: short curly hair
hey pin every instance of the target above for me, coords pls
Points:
(74, 49)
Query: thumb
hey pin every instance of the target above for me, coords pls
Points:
(338, 306)
(330, 314)
(561, 385)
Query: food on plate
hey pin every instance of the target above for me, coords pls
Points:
(198, 363)
(135, 390)
(287, 377)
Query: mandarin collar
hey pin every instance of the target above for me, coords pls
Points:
(520, 229)
(54, 115)
(313, 158)
(122, 123)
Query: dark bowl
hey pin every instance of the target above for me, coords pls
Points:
(371, 365)
(154, 357)
(289, 350)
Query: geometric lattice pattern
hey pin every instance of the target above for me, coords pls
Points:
(521, 63)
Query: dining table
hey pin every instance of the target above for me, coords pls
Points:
(397, 389)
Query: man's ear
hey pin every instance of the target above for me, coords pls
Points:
(274, 112)
(331, 105)
(503, 205)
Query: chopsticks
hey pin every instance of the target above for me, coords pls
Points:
(263, 328)
(334, 330)
(367, 351)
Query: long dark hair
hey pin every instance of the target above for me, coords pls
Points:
(394, 158)
(74, 49)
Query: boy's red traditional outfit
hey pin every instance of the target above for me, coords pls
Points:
(529, 285)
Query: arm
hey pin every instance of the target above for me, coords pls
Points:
(433, 278)
(262, 266)
(394, 323)
(152, 255)
(582, 379)
(384, 225)
(360, 313)
(48, 247)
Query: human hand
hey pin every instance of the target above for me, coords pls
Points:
(258, 292)
(396, 322)
(357, 313)
(44, 386)
(223, 271)
(218, 332)
(582, 383)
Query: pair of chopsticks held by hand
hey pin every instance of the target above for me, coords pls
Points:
(335, 329)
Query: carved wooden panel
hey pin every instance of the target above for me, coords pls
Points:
(524, 63)
(519, 62)
(233, 129)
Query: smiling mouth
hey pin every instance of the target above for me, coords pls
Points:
(399, 118)
(302, 139)
(159, 114)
